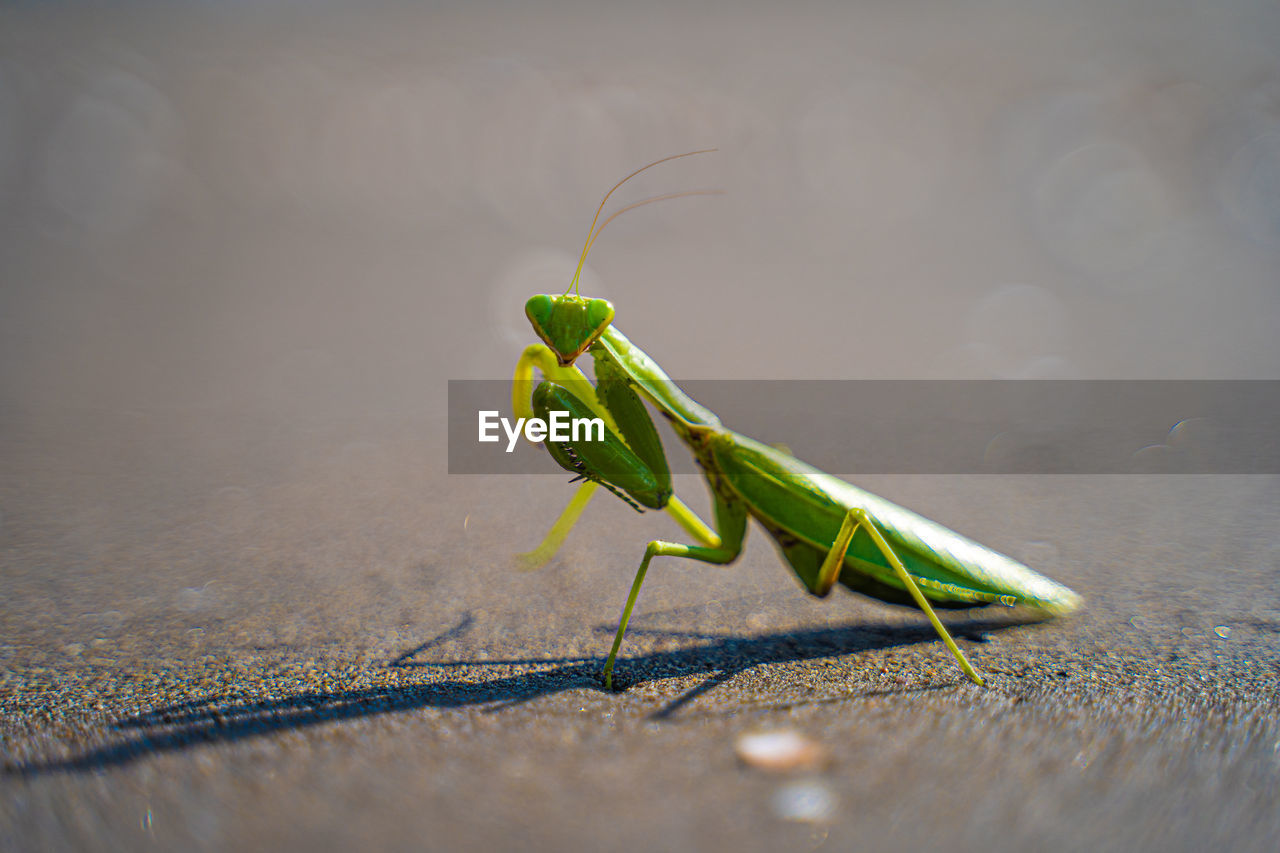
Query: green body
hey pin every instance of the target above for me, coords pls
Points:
(826, 528)
(803, 508)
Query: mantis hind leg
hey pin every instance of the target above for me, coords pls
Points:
(830, 572)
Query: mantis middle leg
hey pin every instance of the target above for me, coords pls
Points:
(731, 528)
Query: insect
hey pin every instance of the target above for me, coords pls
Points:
(828, 530)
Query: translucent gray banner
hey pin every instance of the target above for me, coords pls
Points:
(944, 427)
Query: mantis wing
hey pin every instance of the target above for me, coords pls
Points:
(803, 508)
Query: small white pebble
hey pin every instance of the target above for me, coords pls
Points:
(781, 750)
(808, 802)
(1222, 631)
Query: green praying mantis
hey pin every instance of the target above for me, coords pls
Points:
(828, 530)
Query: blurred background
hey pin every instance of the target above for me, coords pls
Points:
(243, 246)
(275, 206)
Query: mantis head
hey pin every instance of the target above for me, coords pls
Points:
(569, 323)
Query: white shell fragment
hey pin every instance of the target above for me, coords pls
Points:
(780, 751)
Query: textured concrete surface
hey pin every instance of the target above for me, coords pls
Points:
(344, 656)
(243, 605)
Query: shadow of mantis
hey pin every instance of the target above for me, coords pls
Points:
(225, 719)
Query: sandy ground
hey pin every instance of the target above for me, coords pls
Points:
(243, 605)
(343, 656)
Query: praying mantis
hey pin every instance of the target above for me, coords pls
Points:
(828, 530)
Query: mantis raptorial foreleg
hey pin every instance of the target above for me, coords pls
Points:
(572, 379)
(831, 566)
(540, 556)
(541, 357)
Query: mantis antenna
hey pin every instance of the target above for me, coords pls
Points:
(594, 232)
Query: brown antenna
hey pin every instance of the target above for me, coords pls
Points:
(593, 231)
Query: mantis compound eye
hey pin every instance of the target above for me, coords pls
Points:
(599, 314)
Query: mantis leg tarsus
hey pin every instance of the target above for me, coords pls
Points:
(830, 573)
(540, 556)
